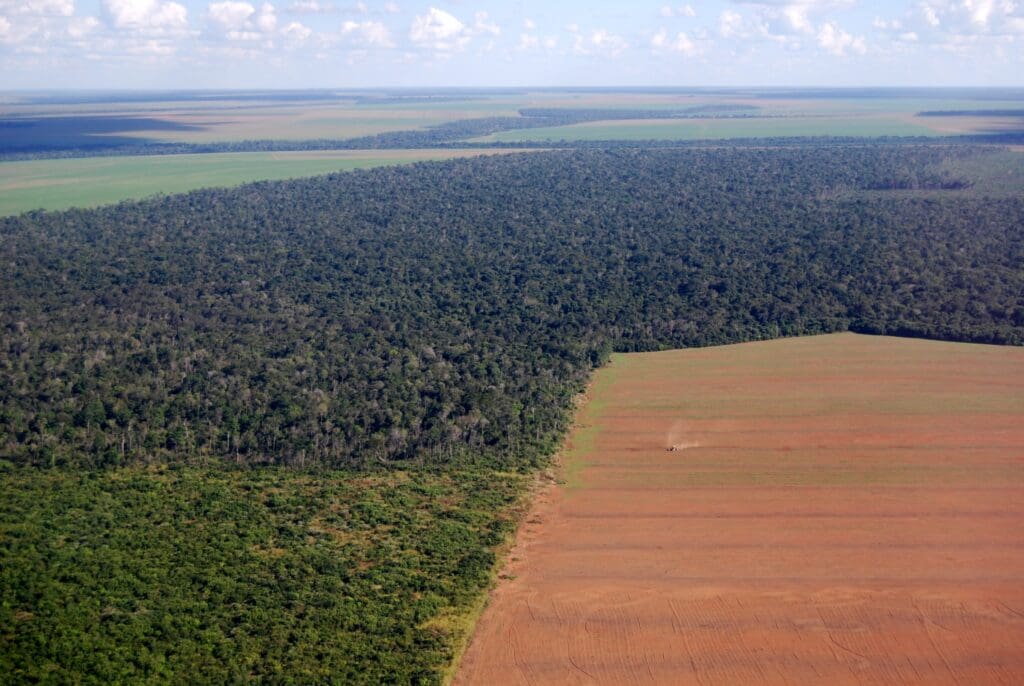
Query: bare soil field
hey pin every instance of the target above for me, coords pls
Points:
(337, 122)
(955, 126)
(837, 510)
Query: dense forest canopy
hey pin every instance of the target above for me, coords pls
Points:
(447, 312)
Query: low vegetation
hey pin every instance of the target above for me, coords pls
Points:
(224, 576)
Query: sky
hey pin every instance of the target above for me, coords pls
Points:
(172, 44)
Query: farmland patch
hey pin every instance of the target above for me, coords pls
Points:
(843, 509)
(89, 182)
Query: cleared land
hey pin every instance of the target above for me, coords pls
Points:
(306, 123)
(89, 182)
(207, 122)
(970, 125)
(839, 509)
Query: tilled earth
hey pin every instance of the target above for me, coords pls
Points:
(839, 509)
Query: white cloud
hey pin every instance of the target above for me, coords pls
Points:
(730, 24)
(33, 27)
(668, 11)
(981, 10)
(836, 41)
(391, 8)
(266, 20)
(603, 40)
(681, 44)
(368, 33)
(783, 21)
(797, 19)
(150, 48)
(482, 24)
(955, 24)
(80, 27)
(236, 20)
(311, 7)
(599, 41)
(973, 16)
(146, 15)
(296, 33)
(529, 24)
(531, 41)
(811, 4)
(439, 31)
(37, 8)
(230, 15)
(792, 23)
(887, 25)
(527, 42)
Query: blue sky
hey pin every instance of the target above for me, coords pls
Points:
(353, 43)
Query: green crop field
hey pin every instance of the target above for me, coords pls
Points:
(717, 129)
(89, 182)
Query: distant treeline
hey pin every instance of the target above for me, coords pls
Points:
(444, 312)
(412, 140)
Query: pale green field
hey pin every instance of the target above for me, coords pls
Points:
(92, 181)
(717, 129)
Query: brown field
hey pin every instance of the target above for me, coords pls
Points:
(840, 510)
(955, 126)
(337, 122)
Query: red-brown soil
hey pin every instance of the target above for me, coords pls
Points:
(842, 510)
